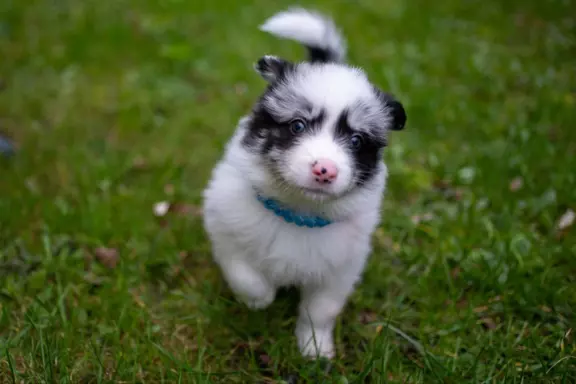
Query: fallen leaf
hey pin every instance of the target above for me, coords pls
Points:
(483, 308)
(366, 317)
(107, 256)
(566, 220)
(546, 309)
(185, 209)
(161, 208)
(516, 184)
(488, 323)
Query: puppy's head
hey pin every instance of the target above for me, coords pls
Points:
(319, 129)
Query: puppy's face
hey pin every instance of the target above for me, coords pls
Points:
(319, 129)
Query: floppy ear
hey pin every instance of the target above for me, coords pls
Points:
(272, 68)
(394, 108)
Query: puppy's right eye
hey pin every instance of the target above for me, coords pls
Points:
(297, 126)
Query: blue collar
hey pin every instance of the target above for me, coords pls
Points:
(292, 217)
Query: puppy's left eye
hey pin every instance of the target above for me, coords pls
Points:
(297, 126)
(356, 141)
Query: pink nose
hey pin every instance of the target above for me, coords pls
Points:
(325, 171)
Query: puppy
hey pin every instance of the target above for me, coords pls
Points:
(297, 195)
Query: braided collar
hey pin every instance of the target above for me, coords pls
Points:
(291, 216)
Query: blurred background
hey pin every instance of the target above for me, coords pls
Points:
(113, 113)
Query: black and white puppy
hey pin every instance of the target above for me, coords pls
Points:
(296, 197)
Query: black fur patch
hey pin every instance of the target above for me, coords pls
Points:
(396, 109)
(367, 156)
(266, 132)
(273, 68)
(318, 55)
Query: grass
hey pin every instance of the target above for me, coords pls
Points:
(115, 106)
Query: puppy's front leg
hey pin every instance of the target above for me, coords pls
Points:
(318, 311)
(249, 285)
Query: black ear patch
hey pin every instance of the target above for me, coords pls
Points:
(395, 108)
(272, 68)
(398, 115)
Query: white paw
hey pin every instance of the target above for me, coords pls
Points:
(314, 345)
(260, 302)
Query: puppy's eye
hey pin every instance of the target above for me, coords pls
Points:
(356, 141)
(297, 126)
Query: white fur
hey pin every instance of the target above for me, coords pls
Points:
(257, 251)
(308, 28)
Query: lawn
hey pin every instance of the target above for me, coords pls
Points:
(115, 107)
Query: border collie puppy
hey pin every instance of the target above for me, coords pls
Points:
(297, 195)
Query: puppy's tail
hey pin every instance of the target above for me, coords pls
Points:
(315, 31)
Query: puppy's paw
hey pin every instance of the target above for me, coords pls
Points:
(315, 345)
(259, 302)
(324, 350)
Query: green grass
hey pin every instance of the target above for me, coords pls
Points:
(116, 106)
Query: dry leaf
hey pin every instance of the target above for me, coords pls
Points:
(107, 256)
(483, 308)
(186, 209)
(516, 184)
(366, 317)
(566, 220)
(488, 323)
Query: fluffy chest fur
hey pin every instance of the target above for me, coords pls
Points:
(285, 253)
